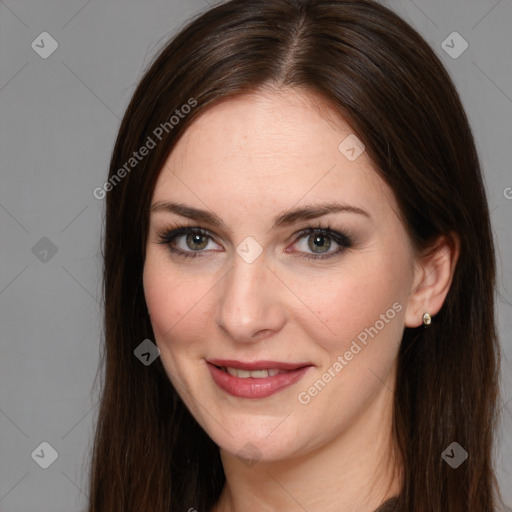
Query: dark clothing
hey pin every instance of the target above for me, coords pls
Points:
(388, 505)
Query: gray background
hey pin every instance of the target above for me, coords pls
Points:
(59, 118)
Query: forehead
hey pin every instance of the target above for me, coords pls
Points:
(270, 150)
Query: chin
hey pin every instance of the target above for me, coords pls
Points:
(251, 448)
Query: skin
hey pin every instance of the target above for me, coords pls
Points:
(247, 160)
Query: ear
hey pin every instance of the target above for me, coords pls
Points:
(433, 274)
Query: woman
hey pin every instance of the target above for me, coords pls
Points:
(296, 218)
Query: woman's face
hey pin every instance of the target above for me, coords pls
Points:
(256, 290)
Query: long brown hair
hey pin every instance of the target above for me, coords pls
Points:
(384, 79)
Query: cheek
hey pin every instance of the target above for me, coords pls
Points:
(362, 313)
(349, 301)
(175, 302)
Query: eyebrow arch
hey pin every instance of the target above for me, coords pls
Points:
(283, 219)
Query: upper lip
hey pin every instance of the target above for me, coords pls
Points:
(256, 365)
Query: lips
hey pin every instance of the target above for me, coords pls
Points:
(258, 379)
(257, 365)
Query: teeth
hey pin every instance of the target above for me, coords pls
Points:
(256, 374)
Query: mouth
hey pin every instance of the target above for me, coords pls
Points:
(255, 380)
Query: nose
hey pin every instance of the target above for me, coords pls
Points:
(249, 306)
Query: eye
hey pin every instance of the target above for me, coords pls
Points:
(194, 241)
(185, 241)
(319, 240)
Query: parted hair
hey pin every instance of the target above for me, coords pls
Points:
(379, 74)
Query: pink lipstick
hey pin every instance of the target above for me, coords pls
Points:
(258, 379)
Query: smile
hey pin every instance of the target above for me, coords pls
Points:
(256, 374)
(254, 380)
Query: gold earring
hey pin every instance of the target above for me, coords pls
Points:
(427, 319)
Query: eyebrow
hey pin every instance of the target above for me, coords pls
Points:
(285, 218)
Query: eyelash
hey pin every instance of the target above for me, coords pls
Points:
(169, 234)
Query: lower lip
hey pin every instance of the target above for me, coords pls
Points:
(255, 388)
